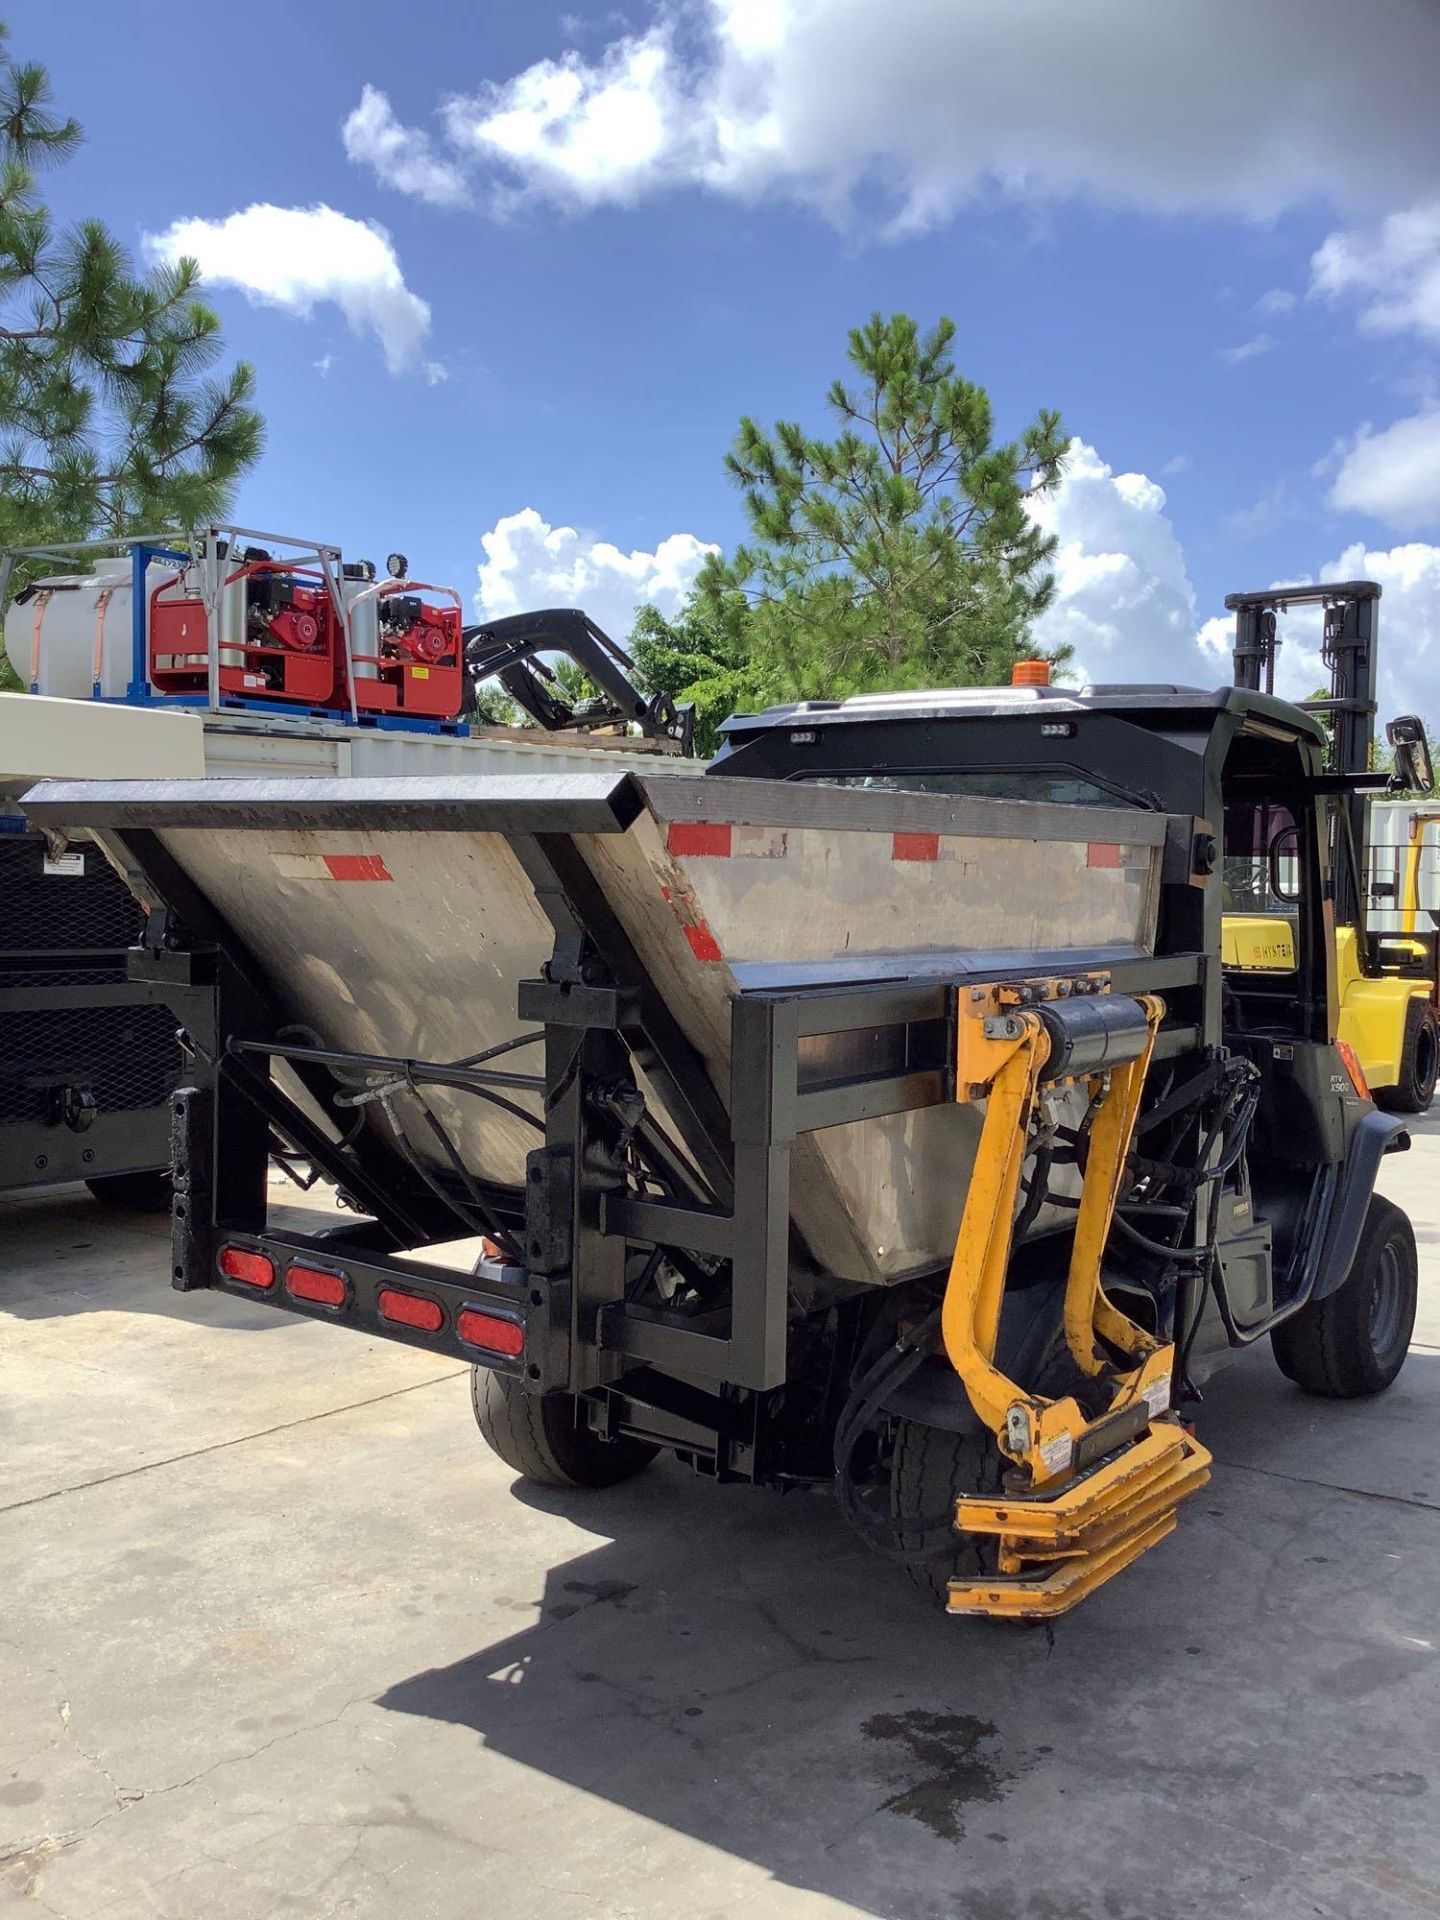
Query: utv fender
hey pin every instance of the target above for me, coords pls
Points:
(1371, 1138)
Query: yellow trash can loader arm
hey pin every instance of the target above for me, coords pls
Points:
(1085, 1494)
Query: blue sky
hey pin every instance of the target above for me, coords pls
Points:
(1211, 237)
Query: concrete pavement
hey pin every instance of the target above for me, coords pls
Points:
(279, 1637)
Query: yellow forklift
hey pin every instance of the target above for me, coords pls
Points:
(1387, 988)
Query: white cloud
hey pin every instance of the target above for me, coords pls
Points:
(529, 563)
(1409, 663)
(1409, 578)
(815, 99)
(1393, 475)
(1392, 272)
(1125, 603)
(1123, 597)
(323, 365)
(1275, 304)
(401, 156)
(296, 258)
(1247, 350)
(1392, 269)
(573, 130)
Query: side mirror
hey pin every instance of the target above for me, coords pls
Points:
(1414, 770)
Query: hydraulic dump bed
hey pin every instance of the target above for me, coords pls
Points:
(400, 917)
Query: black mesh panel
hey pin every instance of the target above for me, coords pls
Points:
(62, 912)
(125, 1057)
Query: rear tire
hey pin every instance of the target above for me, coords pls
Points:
(1419, 1063)
(544, 1439)
(1354, 1341)
(929, 1470)
(149, 1192)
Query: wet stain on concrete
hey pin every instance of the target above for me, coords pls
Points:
(21, 1793)
(959, 1768)
(1036, 1904)
(1371, 1672)
(1398, 1786)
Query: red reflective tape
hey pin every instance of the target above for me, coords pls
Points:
(915, 846)
(356, 866)
(1100, 853)
(703, 943)
(710, 839)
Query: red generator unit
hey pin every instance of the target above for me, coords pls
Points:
(209, 619)
(406, 654)
(279, 633)
(312, 631)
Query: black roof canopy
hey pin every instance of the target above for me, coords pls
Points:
(1160, 705)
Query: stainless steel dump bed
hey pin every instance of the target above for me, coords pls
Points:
(399, 917)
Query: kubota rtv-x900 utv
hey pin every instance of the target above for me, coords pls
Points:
(873, 1112)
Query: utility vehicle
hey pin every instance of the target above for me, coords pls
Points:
(876, 1112)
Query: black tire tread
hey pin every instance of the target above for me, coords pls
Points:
(1323, 1348)
(1414, 1091)
(931, 1468)
(538, 1436)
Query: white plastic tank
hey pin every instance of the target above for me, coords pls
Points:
(69, 623)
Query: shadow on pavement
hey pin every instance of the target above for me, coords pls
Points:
(64, 1252)
(1216, 1730)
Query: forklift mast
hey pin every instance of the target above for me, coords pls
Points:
(1348, 648)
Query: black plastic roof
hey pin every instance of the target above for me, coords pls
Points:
(1166, 704)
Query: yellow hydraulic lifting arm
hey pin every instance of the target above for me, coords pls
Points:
(1089, 1495)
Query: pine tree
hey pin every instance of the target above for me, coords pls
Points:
(108, 422)
(704, 655)
(899, 554)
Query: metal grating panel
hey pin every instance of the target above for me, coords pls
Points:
(62, 912)
(126, 1057)
(62, 976)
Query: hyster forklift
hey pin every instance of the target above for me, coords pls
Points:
(875, 1113)
(1387, 985)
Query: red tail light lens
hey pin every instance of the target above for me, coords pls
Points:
(410, 1310)
(316, 1283)
(251, 1269)
(1351, 1062)
(496, 1331)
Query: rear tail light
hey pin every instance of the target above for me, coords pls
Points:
(1353, 1067)
(251, 1269)
(326, 1289)
(494, 1331)
(410, 1310)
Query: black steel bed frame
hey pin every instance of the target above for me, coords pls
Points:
(576, 1226)
(598, 1014)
